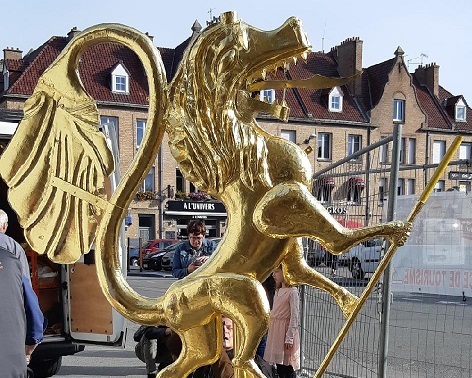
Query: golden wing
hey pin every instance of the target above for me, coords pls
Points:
(55, 167)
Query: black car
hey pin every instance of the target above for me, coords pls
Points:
(154, 260)
(168, 259)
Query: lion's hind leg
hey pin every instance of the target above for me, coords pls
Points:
(193, 302)
(200, 346)
(297, 272)
(243, 300)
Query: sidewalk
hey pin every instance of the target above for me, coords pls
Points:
(135, 272)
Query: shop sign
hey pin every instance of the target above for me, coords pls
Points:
(333, 210)
(196, 206)
(460, 175)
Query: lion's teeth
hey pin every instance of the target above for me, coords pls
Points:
(304, 56)
(286, 66)
(264, 74)
(294, 60)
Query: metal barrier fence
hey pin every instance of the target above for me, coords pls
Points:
(429, 333)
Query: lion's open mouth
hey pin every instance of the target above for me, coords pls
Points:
(259, 81)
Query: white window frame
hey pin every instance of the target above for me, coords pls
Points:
(179, 181)
(267, 95)
(383, 190)
(402, 150)
(148, 184)
(440, 186)
(354, 143)
(398, 110)
(465, 151)
(113, 121)
(439, 150)
(460, 112)
(411, 151)
(401, 186)
(120, 74)
(290, 135)
(335, 100)
(354, 193)
(324, 193)
(410, 186)
(383, 153)
(140, 131)
(325, 146)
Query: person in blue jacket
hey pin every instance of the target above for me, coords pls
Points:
(21, 320)
(194, 252)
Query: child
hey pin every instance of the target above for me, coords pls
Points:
(283, 340)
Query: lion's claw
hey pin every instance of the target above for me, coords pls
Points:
(402, 233)
(347, 301)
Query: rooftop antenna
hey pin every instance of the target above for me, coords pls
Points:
(422, 55)
(213, 19)
(210, 12)
(322, 38)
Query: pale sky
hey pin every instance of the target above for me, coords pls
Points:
(427, 30)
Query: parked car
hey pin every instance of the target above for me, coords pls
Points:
(150, 247)
(168, 258)
(365, 257)
(154, 260)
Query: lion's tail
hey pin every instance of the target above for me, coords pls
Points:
(117, 291)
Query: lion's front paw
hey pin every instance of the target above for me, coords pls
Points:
(402, 232)
(247, 369)
(348, 302)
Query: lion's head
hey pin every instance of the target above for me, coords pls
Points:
(213, 134)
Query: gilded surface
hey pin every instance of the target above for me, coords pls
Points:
(264, 182)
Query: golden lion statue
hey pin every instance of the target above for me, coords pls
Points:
(264, 182)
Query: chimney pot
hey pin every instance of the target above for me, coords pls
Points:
(72, 33)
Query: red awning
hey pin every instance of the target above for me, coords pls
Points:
(358, 181)
(349, 223)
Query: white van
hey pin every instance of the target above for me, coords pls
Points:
(69, 295)
(365, 257)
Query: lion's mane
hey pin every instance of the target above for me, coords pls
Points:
(211, 143)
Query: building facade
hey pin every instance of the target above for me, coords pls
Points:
(334, 123)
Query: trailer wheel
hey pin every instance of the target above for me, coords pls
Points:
(356, 269)
(46, 368)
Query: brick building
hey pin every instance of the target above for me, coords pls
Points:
(335, 122)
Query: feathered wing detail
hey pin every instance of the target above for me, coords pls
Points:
(55, 166)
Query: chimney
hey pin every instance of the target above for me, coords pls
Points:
(348, 55)
(428, 75)
(73, 32)
(12, 54)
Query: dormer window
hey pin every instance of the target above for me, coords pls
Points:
(460, 111)
(336, 100)
(268, 95)
(120, 79)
